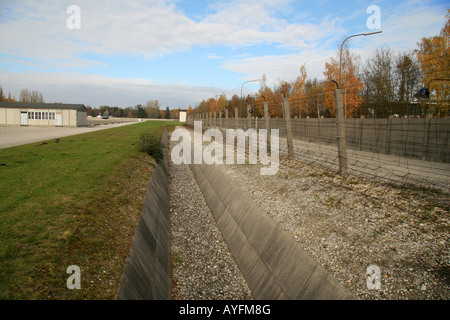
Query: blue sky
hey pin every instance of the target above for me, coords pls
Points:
(180, 52)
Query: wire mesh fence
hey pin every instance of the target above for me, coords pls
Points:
(412, 152)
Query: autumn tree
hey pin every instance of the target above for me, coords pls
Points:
(265, 93)
(297, 97)
(222, 103)
(434, 58)
(351, 85)
(3, 98)
(233, 103)
(314, 98)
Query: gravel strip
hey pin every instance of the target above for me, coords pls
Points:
(347, 225)
(202, 265)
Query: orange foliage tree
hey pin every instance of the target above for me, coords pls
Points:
(434, 58)
(350, 84)
(273, 101)
(298, 94)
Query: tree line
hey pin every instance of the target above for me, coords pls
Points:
(24, 96)
(383, 85)
(152, 110)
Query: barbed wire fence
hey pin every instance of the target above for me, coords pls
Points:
(408, 155)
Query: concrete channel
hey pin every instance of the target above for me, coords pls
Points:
(272, 262)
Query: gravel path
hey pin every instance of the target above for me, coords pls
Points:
(203, 268)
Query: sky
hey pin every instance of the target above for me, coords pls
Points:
(125, 53)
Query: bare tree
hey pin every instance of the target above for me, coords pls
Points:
(408, 76)
(31, 96)
(378, 74)
(153, 109)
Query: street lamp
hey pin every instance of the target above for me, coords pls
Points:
(339, 106)
(240, 109)
(342, 45)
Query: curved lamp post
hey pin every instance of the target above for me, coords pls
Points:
(240, 107)
(339, 110)
(342, 45)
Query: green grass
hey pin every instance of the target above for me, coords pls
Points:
(71, 201)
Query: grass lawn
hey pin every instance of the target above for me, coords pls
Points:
(71, 201)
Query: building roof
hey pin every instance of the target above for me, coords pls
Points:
(27, 105)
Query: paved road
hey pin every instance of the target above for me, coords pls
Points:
(11, 136)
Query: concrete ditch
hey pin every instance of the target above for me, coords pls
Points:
(273, 263)
(147, 273)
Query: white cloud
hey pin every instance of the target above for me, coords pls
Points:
(98, 90)
(146, 29)
(281, 67)
(34, 33)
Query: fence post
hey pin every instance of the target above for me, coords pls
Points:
(361, 123)
(319, 129)
(249, 117)
(426, 137)
(236, 118)
(267, 122)
(220, 119)
(388, 135)
(287, 120)
(227, 123)
(342, 143)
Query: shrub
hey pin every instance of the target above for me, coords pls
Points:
(152, 145)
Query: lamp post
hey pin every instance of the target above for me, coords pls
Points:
(339, 106)
(240, 109)
(342, 45)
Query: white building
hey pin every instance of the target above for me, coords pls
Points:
(183, 115)
(43, 114)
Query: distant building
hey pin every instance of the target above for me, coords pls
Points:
(183, 115)
(43, 114)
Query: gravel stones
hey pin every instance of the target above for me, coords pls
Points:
(202, 266)
(346, 225)
(349, 224)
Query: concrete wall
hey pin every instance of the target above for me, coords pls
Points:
(424, 138)
(147, 273)
(272, 262)
(81, 119)
(9, 116)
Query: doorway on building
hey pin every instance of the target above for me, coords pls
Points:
(58, 119)
(23, 118)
